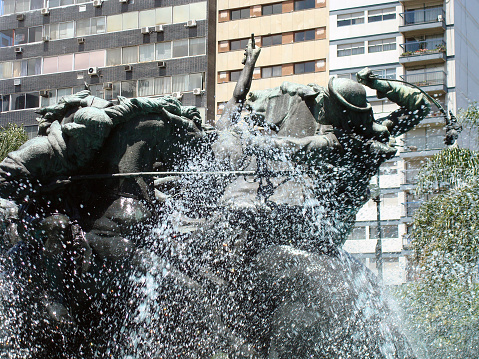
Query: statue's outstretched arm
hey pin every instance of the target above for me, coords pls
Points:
(232, 110)
(414, 105)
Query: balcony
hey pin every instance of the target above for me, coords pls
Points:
(433, 82)
(423, 52)
(423, 20)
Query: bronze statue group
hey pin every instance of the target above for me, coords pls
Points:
(248, 266)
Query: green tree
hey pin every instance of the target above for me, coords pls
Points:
(11, 138)
(442, 305)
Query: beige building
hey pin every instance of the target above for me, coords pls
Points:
(293, 35)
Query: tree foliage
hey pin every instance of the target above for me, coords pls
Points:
(11, 138)
(442, 306)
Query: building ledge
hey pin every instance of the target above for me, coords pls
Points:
(434, 25)
(430, 58)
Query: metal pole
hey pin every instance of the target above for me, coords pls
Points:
(379, 245)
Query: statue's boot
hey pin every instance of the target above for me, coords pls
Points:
(57, 237)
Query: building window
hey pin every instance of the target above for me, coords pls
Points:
(272, 9)
(237, 14)
(271, 40)
(163, 50)
(27, 67)
(306, 35)
(389, 74)
(304, 4)
(387, 231)
(358, 233)
(356, 48)
(197, 46)
(93, 26)
(238, 44)
(147, 52)
(6, 38)
(382, 45)
(195, 11)
(234, 75)
(23, 101)
(180, 48)
(35, 34)
(351, 19)
(20, 36)
(304, 67)
(271, 71)
(382, 14)
(347, 75)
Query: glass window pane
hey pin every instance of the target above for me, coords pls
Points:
(53, 3)
(5, 103)
(147, 52)
(54, 32)
(267, 9)
(98, 25)
(50, 64)
(309, 66)
(97, 58)
(113, 23)
(6, 38)
(18, 101)
(180, 83)
(65, 62)
(147, 18)
(309, 35)
(113, 57)
(114, 92)
(180, 48)
(5, 70)
(128, 89)
(163, 50)
(196, 81)
(82, 61)
(66, 2)
(36, 4)
(17, 68)
(22, 5)
(130, 20)
(146, 87)
(234, 75)
(299, 68)
(162, 85)
(163, 15)
(129, 55)
(197, 46)
(65, 30)
(32, 100)
(34, 66)
(181, 13)
(35, 34)
(83, 27)
(277, 71)
(21, 36)
(64, 92)
(8, 7)
(96, 90)
(198, 10)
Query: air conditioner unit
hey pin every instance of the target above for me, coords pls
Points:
(17, 82)
(21, 17)
(177, 95)
(145, 30)
(107, 85)
(45, 93)
(197, 91)
(97, 3)
(440, 18)
(81, 40)
(45, 38)
(93, 71)
(190, 23)
(18, 50)
(128, 68)
(159, 28)
(45, 11)
(161, 64)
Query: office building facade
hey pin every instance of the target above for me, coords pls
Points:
(426, 44)
(292, 34)
(51, 48)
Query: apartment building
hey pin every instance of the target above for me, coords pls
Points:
(426, 43)
(51, 48)
(292, 34)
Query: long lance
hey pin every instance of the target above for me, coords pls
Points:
(451, 120)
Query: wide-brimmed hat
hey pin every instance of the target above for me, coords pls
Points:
(349, 93)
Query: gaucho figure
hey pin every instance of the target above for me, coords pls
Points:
(266, 266)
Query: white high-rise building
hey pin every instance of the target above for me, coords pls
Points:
(429, 44)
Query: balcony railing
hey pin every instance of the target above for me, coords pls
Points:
(426, 79)
(425, 47)
(423, 16)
